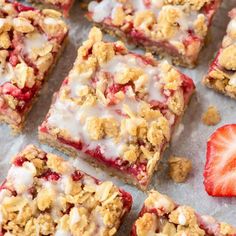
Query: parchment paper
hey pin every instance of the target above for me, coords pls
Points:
(189, 140)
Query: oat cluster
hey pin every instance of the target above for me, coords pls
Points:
(179, 168)
(211, 116)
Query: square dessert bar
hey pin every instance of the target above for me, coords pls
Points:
(222, 72)
(30, 42)
(161, 216)
(118, 108)
(45, 195)
(166, 27)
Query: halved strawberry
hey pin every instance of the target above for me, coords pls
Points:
(220, 168)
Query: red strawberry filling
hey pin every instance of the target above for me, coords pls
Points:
(76, 145)
(24, 97)
(19, 7)
(24, 94)
(187, 86)
(50, 175)
(77, 175)
(215, 64)
(19, 161)
(127, 200)
(13, 59)
(116, 163)
(32, 191)
(210, 8)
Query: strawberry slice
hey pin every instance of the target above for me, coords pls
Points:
(220, 168)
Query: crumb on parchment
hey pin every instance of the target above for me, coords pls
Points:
(179, 168)
(211, 116)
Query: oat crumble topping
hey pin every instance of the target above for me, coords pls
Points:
(161, 216)
(161, 20)
(211, 116)
(183, 24)
(179, 168)
(29, 42)
(45, 195)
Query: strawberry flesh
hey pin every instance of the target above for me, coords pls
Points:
(220, 168)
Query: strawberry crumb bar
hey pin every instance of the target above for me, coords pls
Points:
(30, 42)
(166, 27)
(222, 72)
(45, 195)
(161, 216)
(117, 107)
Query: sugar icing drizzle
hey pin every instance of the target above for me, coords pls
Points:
(67, 115)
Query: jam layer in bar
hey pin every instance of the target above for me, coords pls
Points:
(161, 216)
(222, 72)
(118, 108)
(30, 42)
(45, 195)
(165, 27)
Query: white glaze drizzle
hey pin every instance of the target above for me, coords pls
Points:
(34, 41)
(61, 232)
(22, 177)
(232, 80)
(119, 63)
(66, 115)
